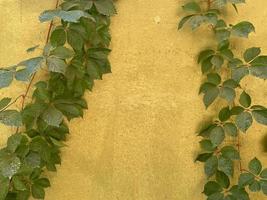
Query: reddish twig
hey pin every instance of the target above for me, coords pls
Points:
(24, 96)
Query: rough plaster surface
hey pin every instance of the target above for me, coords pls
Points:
(137, 139)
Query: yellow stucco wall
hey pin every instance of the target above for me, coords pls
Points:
(137, 139)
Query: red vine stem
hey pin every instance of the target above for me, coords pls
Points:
(24, 96)
(33, 76)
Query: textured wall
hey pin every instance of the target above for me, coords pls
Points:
(137, 139)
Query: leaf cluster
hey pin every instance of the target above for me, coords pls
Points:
(75, 56)
(219, 157)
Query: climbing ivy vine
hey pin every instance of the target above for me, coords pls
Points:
(75, 54)
(223, 72)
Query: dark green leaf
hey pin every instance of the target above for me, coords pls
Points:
(4, 187)
(183, 21)
(11, 118)
(4, 102)
(224, 114)
(251, 53)
(260, 116)
(239, 73)
(206, 145)
(230, 152)
(222, 179)
(226, 165)
(6, 78)
(214, 78)
(230, 129)
(205, 54)
(255, 166)
(228, 94)
(192, 7)
(212, 187)
(18, 183)
(211, 166)
(243, 29)
(105, 7)
(245, 179)
(244, 121)
(56, 65)
(52, 116)
(245, 99)
(264, 173)
(38, 191)
(217, 135)
(203, 157)
(58, 37)
(210, 96)
(255, 186)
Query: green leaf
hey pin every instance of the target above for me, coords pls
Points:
(224, 114)
(230, 83)
(62, 52)
(206, 145)
(6, 78)
(211, 166)
(255, 186)
(245, 179)
(260, 116)
(259, 61)
(52, 116)
(245, 100)
(259, 71)
(230, 152)
(251, 53)
(56, 65)
(239, 193)
(264, 187)
(4, 187)
(32, 49)
(244, 121)
(255, 166)
(9, 165)
(210, 96)
(239, 73)
(4, 102)
(43, 182)
(217, 61)
(105, 7)
(222, 35)
(226, 165)
(206, 65)
(203, 157)
(30, 67)
(228, 94)
(38, 191)
(214, 78)
(217, 135)
(219, 3)
(230, 129)
(205, 54)
(192, 7)
(196, 21)
(58, 37)
(264, 173)
(11, 118)
(68, 16)
(18, 183)
(243, 29)
(236, 110)
(222, 179)
(183, 21)
(13, 142)
(211, 187)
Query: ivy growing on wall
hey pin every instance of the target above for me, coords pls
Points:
(223, 72)
(75, 54)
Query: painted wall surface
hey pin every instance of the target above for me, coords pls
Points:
(137, 140)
